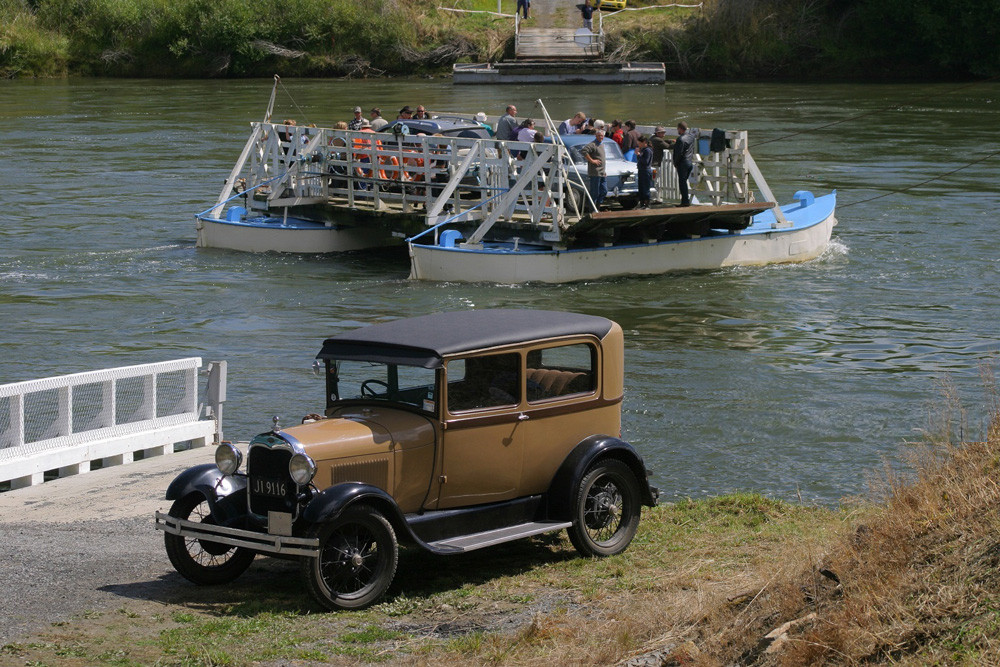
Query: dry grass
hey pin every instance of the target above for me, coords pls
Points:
(918, 575)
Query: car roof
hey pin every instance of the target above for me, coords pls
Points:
(579, 139)
(435, 124)
(427, 339)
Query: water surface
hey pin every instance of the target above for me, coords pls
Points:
(790, 380)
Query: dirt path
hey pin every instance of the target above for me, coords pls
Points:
(84, 542)
(551, 14)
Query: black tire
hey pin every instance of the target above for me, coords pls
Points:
(606, 510)
(357, 559)
(203, 562)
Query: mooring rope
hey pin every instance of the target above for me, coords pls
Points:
(894, 107)
(917, 185)
(301, 112)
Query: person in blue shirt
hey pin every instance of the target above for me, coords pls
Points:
(588, 16)
(644, 162)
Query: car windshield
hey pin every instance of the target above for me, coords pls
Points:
(611, 151)
(411, 385)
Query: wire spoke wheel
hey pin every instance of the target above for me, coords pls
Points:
(356, 562)
(606, 511)
(203, 561)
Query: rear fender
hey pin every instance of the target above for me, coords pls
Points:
(566, 482)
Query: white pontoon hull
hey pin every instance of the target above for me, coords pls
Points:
(759, 244)
(291, 237)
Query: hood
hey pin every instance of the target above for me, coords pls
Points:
(360, 431)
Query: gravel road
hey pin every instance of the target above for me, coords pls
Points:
(85, 543)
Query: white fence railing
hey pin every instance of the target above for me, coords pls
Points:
(60, 425)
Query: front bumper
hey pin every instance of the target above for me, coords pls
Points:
(237, 537)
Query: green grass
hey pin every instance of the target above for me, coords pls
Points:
(440, 610)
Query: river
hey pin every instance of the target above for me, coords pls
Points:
(794, 381)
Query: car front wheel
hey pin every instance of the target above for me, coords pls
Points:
(201, 561)
(356, 562)
(606, 510)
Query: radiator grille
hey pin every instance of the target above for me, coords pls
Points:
(374, 472)
(270, 465)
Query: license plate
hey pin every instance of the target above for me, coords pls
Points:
(276, 488)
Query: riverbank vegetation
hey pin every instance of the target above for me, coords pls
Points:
(910, 576)
(724, 39)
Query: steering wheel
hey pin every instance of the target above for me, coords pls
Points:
(366, 389)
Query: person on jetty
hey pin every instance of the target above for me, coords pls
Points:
(594, 154)
(358, 121)
(588, 15)
(684, 158)
(507, 124)
(525, 5)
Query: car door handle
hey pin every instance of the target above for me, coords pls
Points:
(521, 417)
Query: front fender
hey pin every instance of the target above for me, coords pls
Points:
(566, 481)
(226, 494)
(330, 502)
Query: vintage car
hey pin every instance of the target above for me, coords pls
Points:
(453, 431)
(623, 175)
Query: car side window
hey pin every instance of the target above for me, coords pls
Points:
(484, 382)
(561, 371)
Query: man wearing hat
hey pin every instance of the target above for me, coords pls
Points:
(358, 119)
(377, 122)
(660, 145)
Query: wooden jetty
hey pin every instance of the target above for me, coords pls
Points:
(558, 55)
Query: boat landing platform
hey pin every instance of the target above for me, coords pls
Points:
(531, 71)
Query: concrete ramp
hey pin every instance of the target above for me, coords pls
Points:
(559, 44)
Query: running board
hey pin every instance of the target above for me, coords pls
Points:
(488, 538)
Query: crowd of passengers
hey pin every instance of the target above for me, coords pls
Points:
(646, 151)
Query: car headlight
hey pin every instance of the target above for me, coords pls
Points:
(302, 469)
(228, 458)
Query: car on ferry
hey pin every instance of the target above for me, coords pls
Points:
(451, 126)
(451, 432)
(623, 175)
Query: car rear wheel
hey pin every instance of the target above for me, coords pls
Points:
(356, 562)
(606, 511)
(201, 561)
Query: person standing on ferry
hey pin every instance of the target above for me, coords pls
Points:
(684, 159)
(359, 119)
(507, 124)
(594, 154)
(377, 122)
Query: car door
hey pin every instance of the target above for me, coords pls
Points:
(482, 440)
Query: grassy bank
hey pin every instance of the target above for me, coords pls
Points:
(724, 39)
(910, 578)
